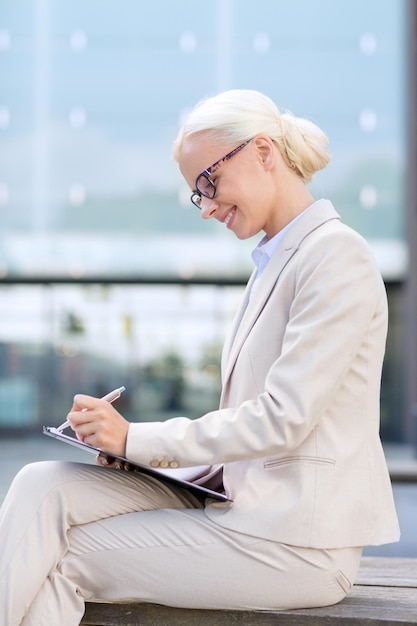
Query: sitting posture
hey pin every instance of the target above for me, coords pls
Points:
(294, 443)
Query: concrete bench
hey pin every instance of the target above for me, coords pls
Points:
(385, 594)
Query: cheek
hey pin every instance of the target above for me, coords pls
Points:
(252, 182)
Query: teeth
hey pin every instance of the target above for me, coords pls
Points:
(229, 217)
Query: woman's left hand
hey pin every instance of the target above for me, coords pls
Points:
(97, 423)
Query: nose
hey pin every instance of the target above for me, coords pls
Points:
(208, 207)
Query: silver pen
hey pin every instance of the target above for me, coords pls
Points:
(110, 397)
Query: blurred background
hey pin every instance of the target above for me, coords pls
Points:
(108, 275)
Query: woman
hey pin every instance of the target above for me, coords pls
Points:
(295, 441)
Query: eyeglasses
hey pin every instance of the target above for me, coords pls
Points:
(204, 185)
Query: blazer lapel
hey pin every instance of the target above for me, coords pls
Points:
(250, 309)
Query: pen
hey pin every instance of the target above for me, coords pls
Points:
(110, 397)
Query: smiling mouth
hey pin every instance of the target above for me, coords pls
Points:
(229, 216)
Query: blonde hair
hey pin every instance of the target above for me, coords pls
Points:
(240, 114)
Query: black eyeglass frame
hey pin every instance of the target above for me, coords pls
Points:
(210, 191)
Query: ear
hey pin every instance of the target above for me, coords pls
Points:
(265, 149)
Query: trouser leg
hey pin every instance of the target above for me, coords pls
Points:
(71, 532)
(45, 500)
(181, 558)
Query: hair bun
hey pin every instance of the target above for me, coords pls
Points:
(304, 145)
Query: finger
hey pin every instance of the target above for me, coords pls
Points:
(111, 463)
(104, 459)
(82, 402)
(83, 426)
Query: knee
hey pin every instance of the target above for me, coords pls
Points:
(35, 473)
(29, 488)
(39, 478)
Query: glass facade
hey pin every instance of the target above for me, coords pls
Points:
(91, 97)
(162, 343)
(92, 93)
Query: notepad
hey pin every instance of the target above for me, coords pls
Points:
(172, 476)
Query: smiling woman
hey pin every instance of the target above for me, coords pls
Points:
(288, 150)
(294, 444)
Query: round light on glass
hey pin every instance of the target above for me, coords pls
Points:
(188, 42)
(78, 117)
(77, 195)
(261, 43)
(367, 44)
(78, 41)
(368, 120)
(4, 117)
(368, 197)
(5, 40)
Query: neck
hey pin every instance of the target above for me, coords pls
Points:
(289, 207)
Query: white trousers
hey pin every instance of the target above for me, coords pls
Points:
(71, 532)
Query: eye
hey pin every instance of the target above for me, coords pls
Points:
(213, 180)
(206, 184)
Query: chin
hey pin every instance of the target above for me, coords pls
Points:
(244, 236)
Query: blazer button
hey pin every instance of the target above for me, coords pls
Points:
(154, 463)
(174, 464)
(164, 463)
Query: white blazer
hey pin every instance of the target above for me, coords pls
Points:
(297, 431)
